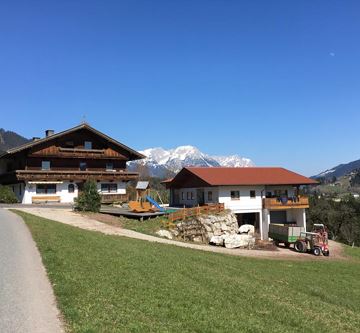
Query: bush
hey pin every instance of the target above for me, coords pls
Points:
(341, 218)
(89, 200)
(7, 195)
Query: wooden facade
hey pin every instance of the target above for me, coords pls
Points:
(74, 156)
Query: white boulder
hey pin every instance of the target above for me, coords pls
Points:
(217, 240)
(165, 233)
(247, 229)
(234, 241)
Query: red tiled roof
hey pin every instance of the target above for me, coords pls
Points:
(248, 176)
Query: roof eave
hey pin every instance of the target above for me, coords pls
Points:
(133, 152)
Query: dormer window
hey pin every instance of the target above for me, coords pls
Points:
(45, 165)
(88, 145)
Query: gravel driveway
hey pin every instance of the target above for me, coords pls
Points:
(67, 216)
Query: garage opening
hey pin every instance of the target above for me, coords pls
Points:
(278, 216)
(249, 218)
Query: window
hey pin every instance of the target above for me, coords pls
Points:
(235, 195)
(45, 188)
(188, 195)
(83, 166)
(210, 196)
(253, 194)
(192, 195)
(45, 165)
(69, 144)
(87, 145)
(182, 196)
(109, 188)
(109, 166)
(71, 188)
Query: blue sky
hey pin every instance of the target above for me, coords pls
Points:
(275, 81)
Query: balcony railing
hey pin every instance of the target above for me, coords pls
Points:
(114, 197)
(286, 202)
(75, 175)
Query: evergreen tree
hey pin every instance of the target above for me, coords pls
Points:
(89, 200)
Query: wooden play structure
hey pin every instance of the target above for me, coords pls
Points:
(144, 202)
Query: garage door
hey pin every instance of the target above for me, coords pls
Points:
(278, 216)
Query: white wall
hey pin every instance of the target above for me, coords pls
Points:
(61, 191)
(30, 191)
(265, 224)
(298, 216)
(65, 196)
(215, 195)
(183, 197)
(194, 201)
(245, 204)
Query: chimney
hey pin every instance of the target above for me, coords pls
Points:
(49, 133)
(35, 138)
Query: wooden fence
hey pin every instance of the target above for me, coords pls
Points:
(184, 213)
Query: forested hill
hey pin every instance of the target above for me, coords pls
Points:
(9, 139)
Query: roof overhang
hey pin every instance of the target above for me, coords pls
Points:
(252, 176)
(135, 155)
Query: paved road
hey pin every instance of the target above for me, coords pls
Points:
(27, 302)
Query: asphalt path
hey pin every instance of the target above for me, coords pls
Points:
(27, 302)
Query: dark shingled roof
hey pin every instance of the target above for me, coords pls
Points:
(74, 129)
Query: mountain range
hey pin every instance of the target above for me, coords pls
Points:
(339, 170)
(161, 163)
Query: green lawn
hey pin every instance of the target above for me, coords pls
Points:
(150, 226)
(113, 284)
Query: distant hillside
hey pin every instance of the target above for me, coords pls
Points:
(340, 170)
(9, 139)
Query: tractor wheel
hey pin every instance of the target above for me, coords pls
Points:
(317, 251)
(300, 246)
(276, 243)
(287, 245)
(326, 253)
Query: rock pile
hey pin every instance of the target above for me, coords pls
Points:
(220, 229)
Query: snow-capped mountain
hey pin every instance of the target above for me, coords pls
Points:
(233, 161)
(161, 162)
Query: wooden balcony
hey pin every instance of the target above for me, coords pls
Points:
(286, 203)
(74, 175)
(114, 197)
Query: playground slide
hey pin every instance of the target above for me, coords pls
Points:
(151, 200)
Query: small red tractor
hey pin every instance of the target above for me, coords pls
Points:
(315, 241)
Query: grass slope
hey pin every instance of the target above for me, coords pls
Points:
(113, 284)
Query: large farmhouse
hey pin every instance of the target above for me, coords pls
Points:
(55, 167)
(258, 196)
